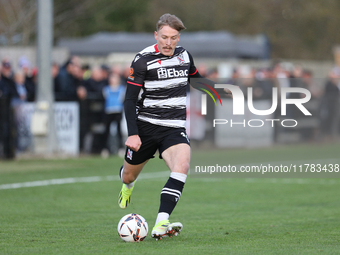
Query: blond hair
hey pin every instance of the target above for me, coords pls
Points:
(171, 21)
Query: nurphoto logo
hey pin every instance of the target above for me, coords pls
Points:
(239, 105)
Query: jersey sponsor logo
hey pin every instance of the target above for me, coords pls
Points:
(161, 72)
(164, 73)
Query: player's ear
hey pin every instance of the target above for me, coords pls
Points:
(179, 35)
(156, 35)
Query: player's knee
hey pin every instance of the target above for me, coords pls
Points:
(186, 166)
(128, 178)
(183, 167)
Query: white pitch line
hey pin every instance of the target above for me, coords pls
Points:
(78, 180)
(152, 176)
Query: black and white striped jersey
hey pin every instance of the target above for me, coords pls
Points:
(163, 80)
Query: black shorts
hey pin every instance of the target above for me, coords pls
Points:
(160, 139)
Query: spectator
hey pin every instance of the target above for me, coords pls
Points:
(330, 105)
(125, 74)
(308, 79)
(263, 86)
(203, 70)
(114, 96)
(7, 121)
(6, 78)
(3, 88)
(95, 83)
(234, 77)
(19, 91)
(309, 133)
(69, 81)
(29, 77)
(246, 79)
(118, 70)
(281, 75)
(55, 71)
(213, 74)
(296, 81)
(105, 73)
(86, 71)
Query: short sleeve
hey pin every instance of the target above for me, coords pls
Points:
(137, 71)
(192, 68)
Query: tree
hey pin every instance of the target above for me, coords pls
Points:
(17, 21)
(295, 28)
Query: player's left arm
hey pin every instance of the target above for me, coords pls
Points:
(197, 81)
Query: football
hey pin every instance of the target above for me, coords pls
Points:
(132, 228)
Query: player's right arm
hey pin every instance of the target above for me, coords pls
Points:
(134, 84)
(133, 142)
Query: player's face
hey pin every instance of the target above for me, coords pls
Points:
(167, 39)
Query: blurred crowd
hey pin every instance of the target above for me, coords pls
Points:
(262, 80)
(71, 81)
(325, 92)
(74, 81)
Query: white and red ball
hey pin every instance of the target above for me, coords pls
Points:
(132, 228)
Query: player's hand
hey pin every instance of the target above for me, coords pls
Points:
(133, 142)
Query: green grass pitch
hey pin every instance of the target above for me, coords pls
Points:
(220, 215)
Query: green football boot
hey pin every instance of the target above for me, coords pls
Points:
(165, 228)
(124, 196)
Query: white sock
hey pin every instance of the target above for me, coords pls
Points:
(121, 174)
(178, 176)
(130, 185)
(162, 216)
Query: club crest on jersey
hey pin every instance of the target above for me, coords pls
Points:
(129, 154)
(181, 59)
(164, 73)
